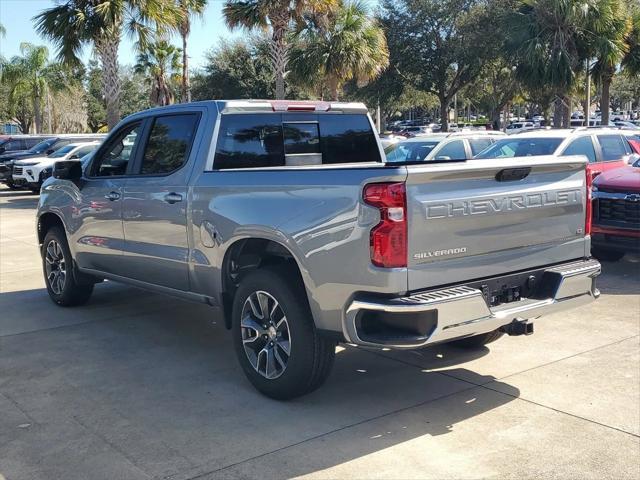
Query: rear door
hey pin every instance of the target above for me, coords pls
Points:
(481, 218)
(155, 202)
(613, 153)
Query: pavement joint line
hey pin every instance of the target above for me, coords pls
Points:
(562, 412)
(331, 432)
(21, 241)
(17, 406)
(117, 317)
(487, 387)
(111, 445)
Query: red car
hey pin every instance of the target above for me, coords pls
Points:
(615, 227)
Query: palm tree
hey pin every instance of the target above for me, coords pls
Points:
(351, 46)
(631, 60)
(546, 45)
(73, 24)
(606, 35)
(277, 15)
(188, 8)
(27, 75)
(161, 61)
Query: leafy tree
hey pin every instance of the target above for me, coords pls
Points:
(494, 89)
(350, 46)
(607, 32)
(439, 46)
(278, 16)
(631, 60)
(73, 24)
(161, 63)
(28, 75)
(187, 8)
(236, 69)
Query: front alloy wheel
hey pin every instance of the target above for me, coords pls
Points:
(265, 334)
(55, 267)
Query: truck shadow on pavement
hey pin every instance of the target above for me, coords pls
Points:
(621, 277)
(156, 380)
(18, 199)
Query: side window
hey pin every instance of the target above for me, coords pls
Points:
(452, 151)
(612, 147)
(249, 141)
(113, 160)
(32, 142)
(13, 145)
(81, 152)
(169, 143)
(479, 144)
(581, 146)
(347, 138)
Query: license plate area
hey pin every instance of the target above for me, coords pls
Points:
(510, 288)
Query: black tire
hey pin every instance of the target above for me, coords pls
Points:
(310, 356)
(607, 255)
(11, 185)
(478, 341)
(68, 292)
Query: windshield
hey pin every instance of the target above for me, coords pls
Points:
(521, 147)
(409, 151)
(62, 152)
(42, 146)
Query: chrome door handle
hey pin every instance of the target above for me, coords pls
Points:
(172, 197)
(112, 196)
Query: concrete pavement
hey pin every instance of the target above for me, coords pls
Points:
(138, 385)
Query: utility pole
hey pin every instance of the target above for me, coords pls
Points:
(378, 123)
(455, 108)
(587, 106)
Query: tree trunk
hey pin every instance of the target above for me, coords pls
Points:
(557, 112)
(107, 49)
(333, 89)
(566, 112)
(444, 114)
(605, 101)
(185, 94)
(279, 49)
(495, 118)
(37, 113)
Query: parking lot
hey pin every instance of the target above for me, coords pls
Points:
(138, 385)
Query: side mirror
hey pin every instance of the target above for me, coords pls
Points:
(74, 156)
(2, 150)
(50, 151)
(442, 157)
(68, 170)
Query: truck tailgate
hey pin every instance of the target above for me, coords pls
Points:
(483, 218)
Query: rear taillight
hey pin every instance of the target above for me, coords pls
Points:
(388, 238)
(588, 210)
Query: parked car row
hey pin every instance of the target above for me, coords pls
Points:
(28, 167)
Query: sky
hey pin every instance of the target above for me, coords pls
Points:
(16, 17)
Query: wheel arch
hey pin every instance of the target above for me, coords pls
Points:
(46, 221)
(248, 254)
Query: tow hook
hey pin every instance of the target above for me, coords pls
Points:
(518, 327)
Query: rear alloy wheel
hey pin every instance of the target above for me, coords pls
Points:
(276, 342)
(265, 334)
(57, 265)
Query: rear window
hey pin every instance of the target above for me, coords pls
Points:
(479, 144)
(521, 147)
(264, 140)
(613, 147)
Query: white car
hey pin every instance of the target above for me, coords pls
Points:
(518, 127)
(440, 147)
(28, 172)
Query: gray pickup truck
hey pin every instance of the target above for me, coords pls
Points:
(286, 216)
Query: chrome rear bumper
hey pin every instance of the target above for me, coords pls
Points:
(461, 311)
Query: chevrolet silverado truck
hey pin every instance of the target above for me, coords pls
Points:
(285, 216)
(616, 213)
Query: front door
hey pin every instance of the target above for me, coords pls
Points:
(155, 204)
(98, 236)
